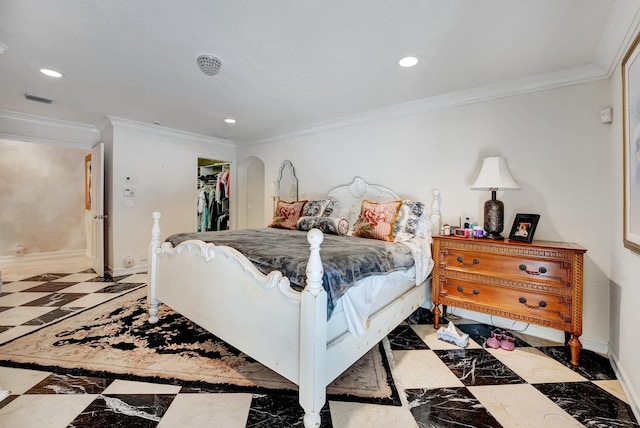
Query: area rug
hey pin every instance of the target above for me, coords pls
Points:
(115, 339)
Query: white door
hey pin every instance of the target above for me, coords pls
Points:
(97, 209)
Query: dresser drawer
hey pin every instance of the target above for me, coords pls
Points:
(554, 272)
(543, 306)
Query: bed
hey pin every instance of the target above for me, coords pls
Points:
(289, 330)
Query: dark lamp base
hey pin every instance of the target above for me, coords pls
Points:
(494, 236)
(493, 218)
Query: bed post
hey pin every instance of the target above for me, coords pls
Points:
(313, 336)
(153, 274)
(435, 212)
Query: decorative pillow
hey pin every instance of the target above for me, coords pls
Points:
(333, 226)
(287, 214)
(406, 226)
(377, 221)
(315, 208)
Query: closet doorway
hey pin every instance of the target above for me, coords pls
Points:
(212, 196)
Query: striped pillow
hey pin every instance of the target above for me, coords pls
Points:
(377, 221)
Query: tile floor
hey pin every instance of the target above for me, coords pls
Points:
(440, 384)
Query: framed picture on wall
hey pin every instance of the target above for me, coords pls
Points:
(87, 182)
(524, 226)
(631, 146)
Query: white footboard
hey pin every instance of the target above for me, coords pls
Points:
(219, 289)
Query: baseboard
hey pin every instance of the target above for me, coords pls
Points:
(632, 395)
(42, 256)
(533, 330)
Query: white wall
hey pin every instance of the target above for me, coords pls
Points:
(42, 198)
(557, 148)
(162, 164)
(625, 269)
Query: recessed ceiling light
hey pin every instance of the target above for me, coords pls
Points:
(408, 61)
(50, 73)
(230, 120)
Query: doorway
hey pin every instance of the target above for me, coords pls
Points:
(212, 195)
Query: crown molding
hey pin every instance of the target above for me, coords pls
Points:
(168, 132)
(39, 129)
(568, 77)
(621, 29)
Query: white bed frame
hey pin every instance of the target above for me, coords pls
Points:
(219, 289)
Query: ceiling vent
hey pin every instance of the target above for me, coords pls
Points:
(209, 64)
(37, 99)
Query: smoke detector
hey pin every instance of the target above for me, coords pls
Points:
(209, 64)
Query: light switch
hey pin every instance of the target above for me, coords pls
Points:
(129, 193)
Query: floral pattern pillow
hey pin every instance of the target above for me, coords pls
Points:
(377, 221)
(287, 214)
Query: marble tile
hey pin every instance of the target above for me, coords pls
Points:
(429, 335)
(91, 300)
(138, 278)
(50, 287)
(357, 415)
(420, 316)
(522, 406)
(56, 314)
(477, 367)
(56, 300)
(86, 287)
(275, 411)
(22, 314)
(534, 366)
(123, 410)
(613, 387)
(201, 410)
(70, 384)
(448, 407)
(120, 386)
(422, 369)
(404, 337)
(78, 277)
(589, 404)
(20, 298)
(593, 366)
(19, 381)
(18, 331)
(120, 287)
(43, 410)
(13, 287)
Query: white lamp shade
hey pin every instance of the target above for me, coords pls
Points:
(495, 175)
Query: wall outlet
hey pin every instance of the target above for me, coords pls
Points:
(19, 250)
(128, 261)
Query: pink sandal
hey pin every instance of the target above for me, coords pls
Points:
(495, 340)
(508, 341)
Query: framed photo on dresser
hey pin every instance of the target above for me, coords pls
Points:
(524, 226)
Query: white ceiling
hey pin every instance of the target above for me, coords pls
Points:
(294, 65)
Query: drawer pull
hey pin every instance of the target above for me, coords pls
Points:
(542, 270)
(475, 291)
(541, 303)
(473, 262)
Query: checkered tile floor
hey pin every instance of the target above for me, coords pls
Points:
(440, 384)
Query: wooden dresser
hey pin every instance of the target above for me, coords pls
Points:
(538, 282)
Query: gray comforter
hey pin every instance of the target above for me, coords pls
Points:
(345, 259)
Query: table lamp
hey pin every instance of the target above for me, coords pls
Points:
(494, 175)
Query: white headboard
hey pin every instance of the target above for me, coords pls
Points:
(350, 199)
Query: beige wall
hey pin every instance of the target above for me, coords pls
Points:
(41, 198)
